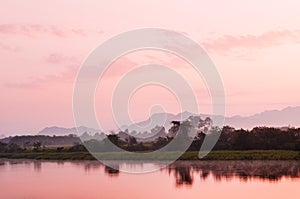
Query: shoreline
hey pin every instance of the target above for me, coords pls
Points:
(190, 155)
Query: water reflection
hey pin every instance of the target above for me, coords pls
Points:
(185, 172)
(244, 170)
(90, 165)
(37, 166)
(183, 175)
(111, 171)
(183, 179)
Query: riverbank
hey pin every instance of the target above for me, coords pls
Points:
(190, 155)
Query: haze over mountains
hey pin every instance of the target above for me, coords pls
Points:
(54, 130)
(275, 118)
(289, 116)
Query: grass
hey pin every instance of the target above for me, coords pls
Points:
(49, 156)
(254, 155)
(191, 155)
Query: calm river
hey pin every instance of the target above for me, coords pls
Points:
(32, 179)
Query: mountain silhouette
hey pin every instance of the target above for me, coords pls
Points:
(289, 116)
(54, 130)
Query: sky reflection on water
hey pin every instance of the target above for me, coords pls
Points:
(91, 179)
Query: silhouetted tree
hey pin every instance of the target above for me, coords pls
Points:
(37, 146)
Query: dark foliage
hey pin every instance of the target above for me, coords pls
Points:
(10, 148)
(76, 148)
(259, 138)
(27, 141)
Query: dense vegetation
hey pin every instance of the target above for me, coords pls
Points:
(189, 155)
(259, 138)
(258, 143)
(26, 141)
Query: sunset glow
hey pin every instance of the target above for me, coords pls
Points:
(255, 46)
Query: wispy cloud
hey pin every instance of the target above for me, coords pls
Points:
(68, 62)
(42, 82)
(7, 47)
(58, 58)
(228, 43)
(223, 45)
(31, 30)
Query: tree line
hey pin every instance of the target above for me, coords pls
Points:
(190, 132)
(259, 138)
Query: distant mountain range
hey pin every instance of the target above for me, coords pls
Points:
(289, 116)
(275, 118)
(54, 130)
(158, 119)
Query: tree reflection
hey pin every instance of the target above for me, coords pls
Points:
(92, 165)
(185, 172)
(226, 170)
(37, 166)
(111, 171)
(183, 175)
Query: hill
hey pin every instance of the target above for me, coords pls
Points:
(54, 130)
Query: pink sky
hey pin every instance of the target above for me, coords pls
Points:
(255, 46)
